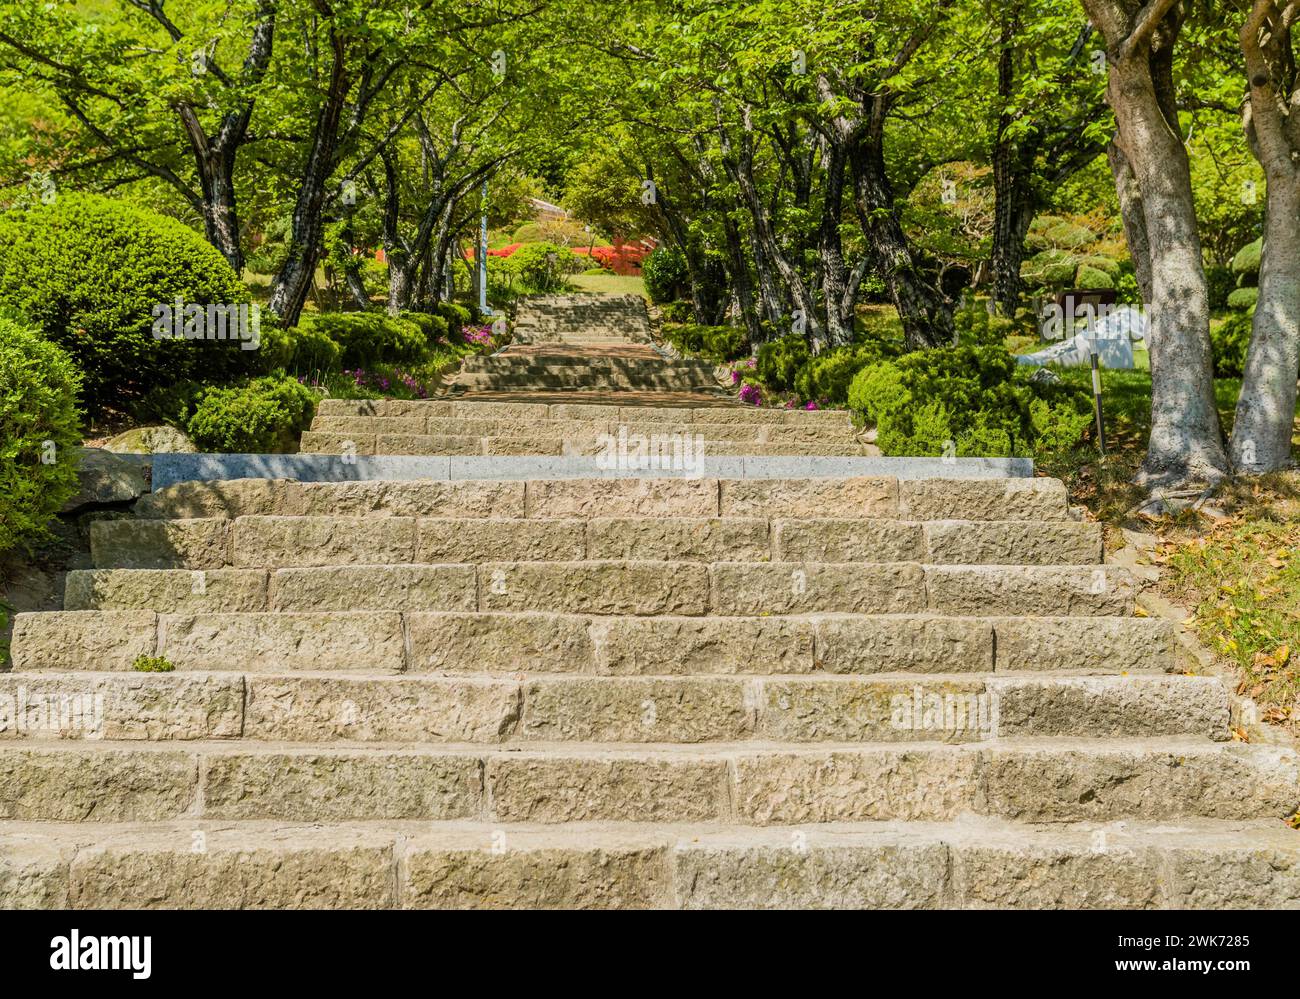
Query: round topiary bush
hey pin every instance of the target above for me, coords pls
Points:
(39, 433)
(90, 272)
(664, 273)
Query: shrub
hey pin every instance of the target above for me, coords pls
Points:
(434, 327)
(1093, 278)
(825, 379)
(1247, 262)
(1243, 299)
(264, 415)
(965, 401)
(1229, 341)
(368, 338)
(1049, 269)
(713, 343)
(169, 404)
(89, 271)
(678, 312)
(779, 361)
(1111, 268)
(544, 266)
(456, 315)
(1069, 236)
(153, 664)
(39, 433)
(1220, 282)
(664, 273)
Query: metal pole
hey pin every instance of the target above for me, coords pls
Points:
(482, 257)
(1096, 400)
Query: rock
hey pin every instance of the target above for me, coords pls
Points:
(105, 478)
(151, 440)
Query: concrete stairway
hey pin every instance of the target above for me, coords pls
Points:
(585, 343)
(656, 692)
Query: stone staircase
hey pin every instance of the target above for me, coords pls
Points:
(583, 320)
(583, 343)
(616, 691)
(447, 427)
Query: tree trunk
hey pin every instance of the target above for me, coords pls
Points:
(1265, 419)
(291, 286)
(1014, 205)
(1186, 448)
(924, 312)
(1134, 218)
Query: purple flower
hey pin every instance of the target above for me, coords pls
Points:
(751, 395)
(812, 405)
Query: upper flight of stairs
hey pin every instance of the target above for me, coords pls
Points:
(399, 427)
(585, 343)
(662, 692)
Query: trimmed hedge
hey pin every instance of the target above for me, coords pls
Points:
(39, 433)
(266, 415)
(89, 271)
(369, 338)
(965, 401)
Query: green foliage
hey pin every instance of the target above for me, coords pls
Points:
(1068, 235)
(170, 404)
(664, 273)
(1247, 262)
(964, 401)
(266, 415)
(825, 379)
(1110, 267)
(543, 267)
(153, 664)
(1050, 269)
(1220, 282)
(713, 343)
(1093, 278)
(976, 328)
(1229, 341)
(435, 328)
(89, 271)
(39, 433)
(779, 361)
(1243, 299)
(368, 338)
(677, 312)
(457, 316)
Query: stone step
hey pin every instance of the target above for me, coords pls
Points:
(1145, 780)
(585, 429)
(618, 587)
(472, 642)
(578, 379)
(529, 359)
(1026, 499)
(661, 448)
(466, 409)
(294, 542)
(321, 707)
(969, 863)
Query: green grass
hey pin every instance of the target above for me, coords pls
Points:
(1241, 577)
(608, 284)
